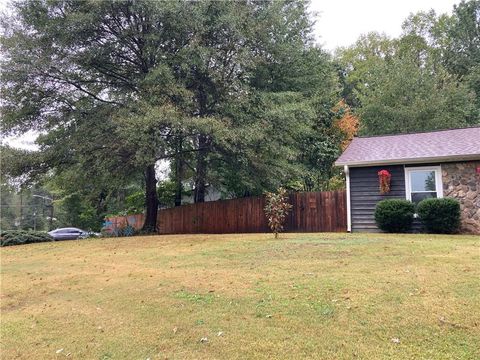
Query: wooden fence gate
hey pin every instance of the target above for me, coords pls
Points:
(311, 212)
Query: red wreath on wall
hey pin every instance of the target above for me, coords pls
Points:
(384, 178)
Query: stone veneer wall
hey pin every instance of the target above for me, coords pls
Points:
(461, 182)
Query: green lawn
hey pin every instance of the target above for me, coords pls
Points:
(321, 296)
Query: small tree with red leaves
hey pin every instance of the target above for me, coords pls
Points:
(276, 209)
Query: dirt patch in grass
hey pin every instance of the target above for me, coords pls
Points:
(329, 296)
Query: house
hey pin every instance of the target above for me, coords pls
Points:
(211, 193)
(443, 163)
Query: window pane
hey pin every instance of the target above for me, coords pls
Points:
(417, 197)
(423, 180)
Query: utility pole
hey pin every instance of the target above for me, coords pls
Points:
(50, 221)
(21, 210)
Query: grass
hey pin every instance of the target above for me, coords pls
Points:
(322, 296)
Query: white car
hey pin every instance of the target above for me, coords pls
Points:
(70, 233)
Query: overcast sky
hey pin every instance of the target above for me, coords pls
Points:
(340, 23)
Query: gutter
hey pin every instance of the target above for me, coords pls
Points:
(349, 214)
(407, 161)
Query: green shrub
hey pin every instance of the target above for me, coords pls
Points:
(394, 215)
(19, 237)
(439, 216)
(128, 230)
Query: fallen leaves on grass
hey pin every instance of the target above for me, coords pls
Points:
(458, 326)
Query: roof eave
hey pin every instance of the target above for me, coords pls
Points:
(423, 160)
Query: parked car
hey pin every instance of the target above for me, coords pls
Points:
(70, 233)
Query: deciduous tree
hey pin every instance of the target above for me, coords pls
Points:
(134, 82)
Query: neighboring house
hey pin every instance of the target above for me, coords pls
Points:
(443, 163)
(211, 194)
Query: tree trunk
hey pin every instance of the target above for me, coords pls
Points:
(151, 200)
(121, 198)
(201, 170)
(178, 174)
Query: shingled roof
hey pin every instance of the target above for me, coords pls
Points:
(442, 145)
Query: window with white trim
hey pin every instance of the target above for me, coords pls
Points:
(423, 183)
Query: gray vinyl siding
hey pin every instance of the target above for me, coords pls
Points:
(365, 193)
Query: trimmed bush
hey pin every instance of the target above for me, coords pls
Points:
(20, 237)
(439, 216)
(394, 215)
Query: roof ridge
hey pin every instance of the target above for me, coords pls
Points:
(419, 132)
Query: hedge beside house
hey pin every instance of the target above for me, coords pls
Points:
(439, 216)
(394, 215)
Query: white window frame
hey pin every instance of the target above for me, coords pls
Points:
(438, 180)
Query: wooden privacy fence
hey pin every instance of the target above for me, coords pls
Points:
(318, 212)
(311, 212)
(115, 223)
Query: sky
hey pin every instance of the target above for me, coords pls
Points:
(339, 23)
